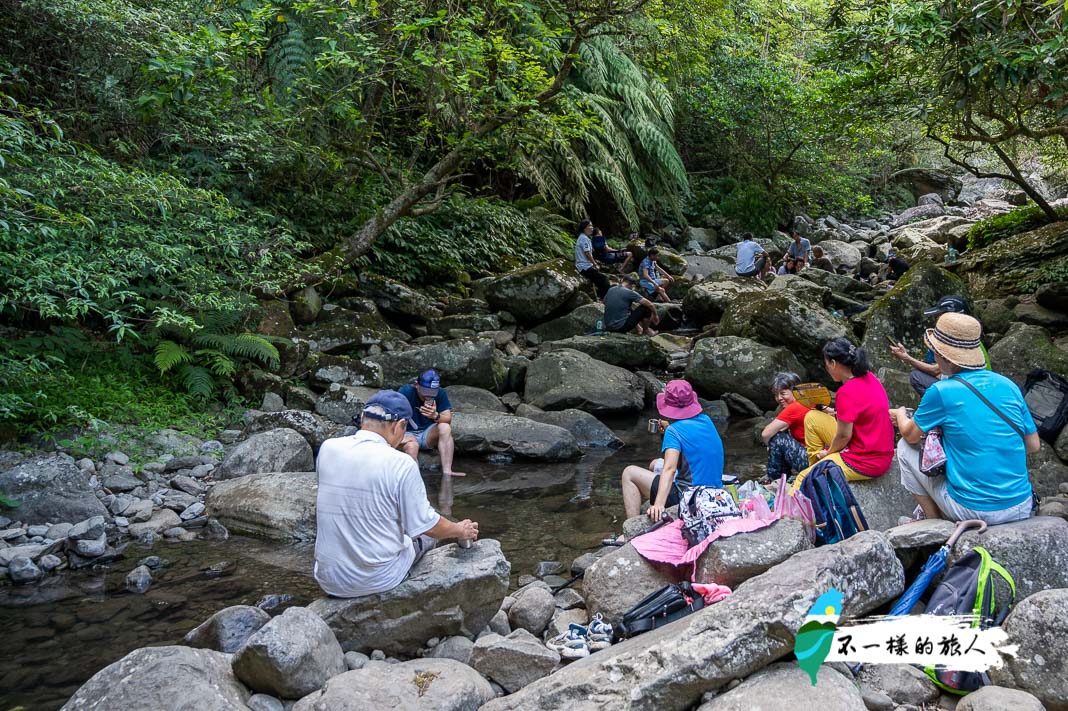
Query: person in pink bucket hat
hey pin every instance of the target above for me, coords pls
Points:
(692, 454)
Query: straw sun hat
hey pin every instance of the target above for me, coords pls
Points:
(956, 338)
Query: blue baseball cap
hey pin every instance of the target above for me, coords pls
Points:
(388, 405)
(428, 383)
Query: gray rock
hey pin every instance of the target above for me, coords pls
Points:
(139, 512)
(49, 562)
(513, 661)
(159, 522)
(272, 402)
(487, 433)
(884, 500)
(340, 403)
(265, 702)
(451, 591)
(843, 255)
(706, 301)
(311, 427)
(305, 305)
(626, 350)
(177, 501)
(40, 530)
(563, 619)
(465, 398)
(534, 607)
(998, 698)
(119, 479)
(352, 332)
(771, 688)
(50, 487)
(1034, 551)
(345, 371)
(741, 365)
(1046, 471)
(1039, 625)
(732, 560)
(1025, 348)
(419, 685)
(192, 511)
(904, 684)
(153, 678)
(279, 505)
(568, 599)
(26, 550)
(587, 429)
(139, 580)
(533, 294)
(467, 322)
(499, 623)
(189, 485)
(291, 656)
(468, 361)
(566, 378)
(91, 528)
(1061, 448)
(358, 660)
(668, 668)
(22, 570)
(741, 406)
(457, 648)
(920, 534)
(920, 212)
(91, 547)
(59, 531)
(579, 322)
(617, 581)
(276, 450)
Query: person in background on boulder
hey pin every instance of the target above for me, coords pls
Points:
(373, 519)
(986, 443)
(896, 266)
(784, 436)
(800, 249)
(859, 436)
(584, 259)
(652, 280)
(626, 310)
(692, 449)
(751, 260)
(788, 266)
(606, 255)
(821, 261)
(926, 372)
(430, 426)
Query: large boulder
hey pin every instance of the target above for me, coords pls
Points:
(565, 378)
(883, 500)
(341, 402)
(153, 678)
(311, 427)
(769, 688)
(998, 698)
(580, 322)
(277, 450)
(468, 322)
(277, 505)
(418, 685)
(465, 398)
(1046, 471)
(671, 667)
(732, 560)
(619, 580)
(291, 656)
(1039, 625)
(803, 288)
(999, 269)
(706, 301)
(533, 608)
(918, 213)
(49, 488)
(1034, 551)
(730, 364)
(587, 429)
(898, 314)
(228, 629)
(1025, 348)
(915, 246)
(397, 299)
(922, 181)
(513, 661)
(467, 361)
(839, 283)
(491, 433)
(325, 370)
(627, 350)
(943, 229)
(451, 591)
(843, 255)
(347, 332)
(533, 294)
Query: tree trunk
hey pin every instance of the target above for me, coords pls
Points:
(1020, 180)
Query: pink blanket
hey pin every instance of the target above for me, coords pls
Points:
(666, 544)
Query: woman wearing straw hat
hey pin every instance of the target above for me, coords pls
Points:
(987, 433)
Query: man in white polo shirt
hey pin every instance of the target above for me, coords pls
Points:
(373, 518)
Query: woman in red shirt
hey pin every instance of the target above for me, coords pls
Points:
(785, 435)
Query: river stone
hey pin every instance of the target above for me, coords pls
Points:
(397, 299)
(291, 656)
(566, 378)
(843, 255)
(23, 570)
(740, 365)
(1025, 348)
(421, 684)
(160, 521)
(1039, 625)
(920, 212)
(278, 505)
(904, 684)
(499, 622)
(119, 479)
(467, 322)
(59, 531)
(998, 698)
(265, 702)
(89, 528)
(343, 370)
(563, 619)
(49, 487)
(313, 428)
(534, 293)
(920, 534)
(305, 305)
(456, 648)
(883, 500)
(532, 610)
(154, 678)
(580, 322)
(706, 301)
(670, 668)
(451, 591)
(26, 550)
(513, 661)
(467, 361)
(1046, 471)
(802, 288)
(769, 689)
(490, 433)
(228, 629)
(91, 547)
(941, 229)
(730, 561)
(618, 581)
(341, 402)
(277, 450)
(626, 350)
(139, 580)
(1034, 551)
(587, 429)
(465, 398)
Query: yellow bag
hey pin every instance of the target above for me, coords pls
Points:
(812, 394)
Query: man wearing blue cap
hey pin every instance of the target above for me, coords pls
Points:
(431, 423)
(373, 519)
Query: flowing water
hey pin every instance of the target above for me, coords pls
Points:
(58, 634)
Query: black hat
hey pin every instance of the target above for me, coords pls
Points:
(946, 305)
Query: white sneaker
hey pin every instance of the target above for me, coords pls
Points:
(599, 633)
(571, 644)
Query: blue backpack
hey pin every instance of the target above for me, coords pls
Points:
(835, 510)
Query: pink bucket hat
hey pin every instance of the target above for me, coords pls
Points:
(678, 401)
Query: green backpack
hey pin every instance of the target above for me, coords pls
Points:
(969, 587)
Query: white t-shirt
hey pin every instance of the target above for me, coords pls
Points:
(747, 252)
(371, 504)
(583, 246)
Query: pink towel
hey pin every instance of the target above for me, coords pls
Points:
(711, 592)
(666, 544)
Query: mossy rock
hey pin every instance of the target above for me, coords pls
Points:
(1007, 266)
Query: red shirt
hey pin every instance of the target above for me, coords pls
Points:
(794, 415)
(863, 402)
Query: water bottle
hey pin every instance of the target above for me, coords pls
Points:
(951, 255)
(600, 325)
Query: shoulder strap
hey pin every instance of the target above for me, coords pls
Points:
(1002, 415)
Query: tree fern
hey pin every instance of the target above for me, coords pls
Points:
(169, 355)
(198, 380)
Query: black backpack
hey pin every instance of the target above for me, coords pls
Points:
(669, 603)
(1046, 395)
(835, 510)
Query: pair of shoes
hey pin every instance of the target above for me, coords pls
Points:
(600, 633)
(579, 641)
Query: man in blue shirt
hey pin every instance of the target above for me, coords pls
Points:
(987, 433)
(652, 280)
(430, 426)
(800, 249)
(692, 449)
(752, 260)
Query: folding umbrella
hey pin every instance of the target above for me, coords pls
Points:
(934, 565)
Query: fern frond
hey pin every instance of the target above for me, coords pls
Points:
(249, 345)
(197, 380)
(169, 355)
(219, 363)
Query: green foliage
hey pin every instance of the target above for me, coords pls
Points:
(985, 232)
(1053, 272)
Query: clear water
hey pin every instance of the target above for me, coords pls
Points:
(57, 635)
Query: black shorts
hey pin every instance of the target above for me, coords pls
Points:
(673, 497)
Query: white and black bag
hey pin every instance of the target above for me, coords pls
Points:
(702, 509)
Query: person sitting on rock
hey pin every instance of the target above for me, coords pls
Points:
(373, 519)
(431, 424)
(626, 310)
(606, 255)
(926, 372)
(652, 280)
(800, 249)
(788, 266)
(858, 436)
(820, 260)
(896, 266)
(784, 436)
(987, 433)
(751, 259)
(585, 263)
(692, 450)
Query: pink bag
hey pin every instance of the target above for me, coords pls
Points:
(756, 506)
(933, 454)
(795, 505)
